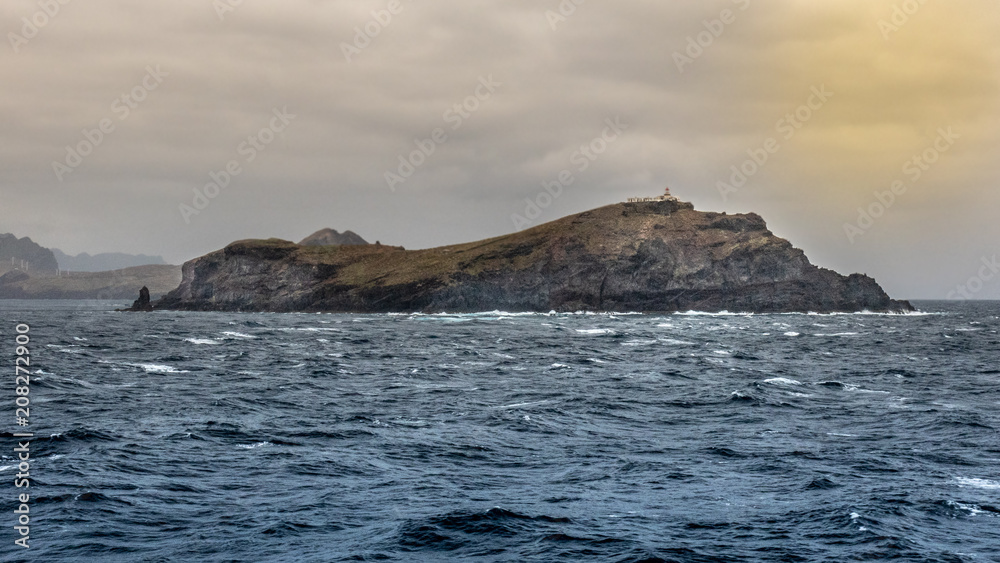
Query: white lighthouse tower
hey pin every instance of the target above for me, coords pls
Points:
(667, 196)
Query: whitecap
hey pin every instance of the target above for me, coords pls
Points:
(595, 331)
(254, 446)
(719, 314)
(672, 342)
(157, 368)
(560, 366)
(782, 381)
(978, 483)
(206, 341)
(640, 342)
(839, 334)
(792, 334)
(972, 509)
(520, 405)
(233, 334)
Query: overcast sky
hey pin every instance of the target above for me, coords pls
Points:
(311, 116)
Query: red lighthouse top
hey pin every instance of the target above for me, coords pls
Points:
(666, 192)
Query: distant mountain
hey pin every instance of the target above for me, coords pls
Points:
(103, 262)
(328, 237)
(24, 254)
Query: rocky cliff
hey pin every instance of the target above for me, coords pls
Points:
(653, 256)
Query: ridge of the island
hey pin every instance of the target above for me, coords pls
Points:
(646, 255)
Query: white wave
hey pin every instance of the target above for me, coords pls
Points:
(721, 352)
(640, 342)
(868, 313)
(978, 483)
(855, 516)
(782, 381)
(672, 342)
(595, 331)
(972, 509)
(77, 338)
(233, 334)
(6, 467)
(719, 314)
(254, 446)
(839, 334)
(839, 435)
(68, 349)
(559, 366)
(520, 405)
(206, 341)
(157, 368)
(792, 334)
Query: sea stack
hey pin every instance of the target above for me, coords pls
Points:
(142, 304)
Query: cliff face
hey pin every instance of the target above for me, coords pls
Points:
(653, 256)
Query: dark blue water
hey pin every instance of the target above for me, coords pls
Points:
(624, 438)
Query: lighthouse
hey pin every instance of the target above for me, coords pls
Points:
(667, 196)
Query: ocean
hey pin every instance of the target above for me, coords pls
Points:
(204, 437)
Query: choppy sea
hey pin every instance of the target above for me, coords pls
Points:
(203, 437)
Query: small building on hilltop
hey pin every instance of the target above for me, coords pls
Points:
(665, 197)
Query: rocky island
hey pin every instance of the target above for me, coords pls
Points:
(656, 255)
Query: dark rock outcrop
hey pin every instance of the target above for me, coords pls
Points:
(659, 256)
(142, 303)
(327, 237)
